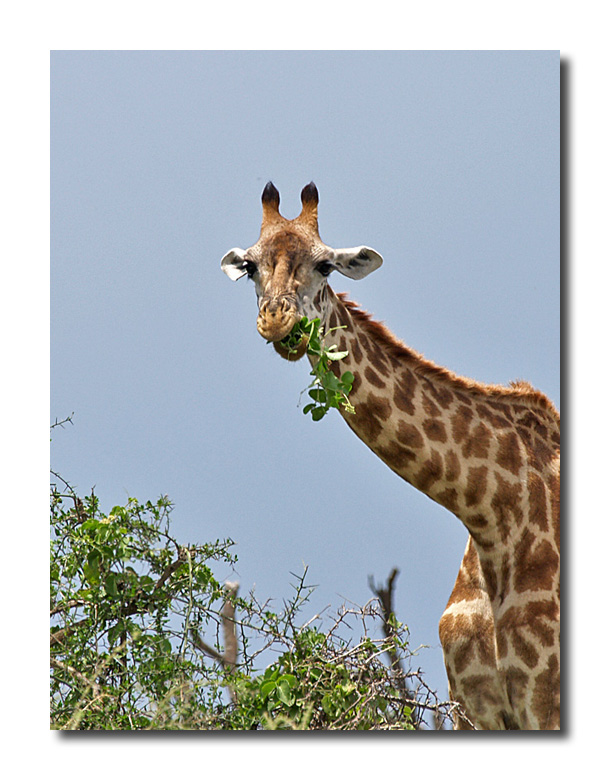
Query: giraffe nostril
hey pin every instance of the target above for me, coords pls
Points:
(278, 306)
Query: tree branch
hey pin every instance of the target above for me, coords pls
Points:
(229, 658)
(228, 624)
(386, 599)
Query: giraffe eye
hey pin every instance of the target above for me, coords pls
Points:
(250, 268)
(324, 268)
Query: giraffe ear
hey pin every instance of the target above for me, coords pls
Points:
(357, 262)
(234, 263)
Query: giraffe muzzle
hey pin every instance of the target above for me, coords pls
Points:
(276, 317)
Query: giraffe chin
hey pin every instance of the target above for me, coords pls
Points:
(276, 328)
(294, 354)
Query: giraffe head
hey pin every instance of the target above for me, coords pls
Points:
(290, 265)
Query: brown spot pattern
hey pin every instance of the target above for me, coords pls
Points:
(429, 407)
(452, 466)
(379, 363)
(442, 395)
(378, 406)
(460, 423)
(516, 685)
(543, 454)
(477, 444)
(404, 392)
(476, 485)
(449, 499)
(395, 456)
(533, 420)
(542, 617)
(468, 637)
(502, 408)
(435, 430)
(491, 578)
(430, 472)
(366, 425)
(355, 351)
(370, 416)
(486, 690)
(506, 506)
(537, 493)
(373, 378)
(536, 563)
(409, 435)
(477, 521)
(509, 453)
(511, 627)
(344, 318)
(555, 509)
(545, 698)
(495, 420)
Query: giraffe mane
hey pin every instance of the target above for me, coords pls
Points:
(518, 390)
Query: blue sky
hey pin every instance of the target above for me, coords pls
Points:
(447, 163)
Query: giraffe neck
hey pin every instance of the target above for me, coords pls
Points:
(470, 447)
(490, 455)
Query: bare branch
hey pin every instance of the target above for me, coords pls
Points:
(61, 423)
(68, 605)
(386, 599)
(205, 648)
(180, 561)
(228, 623)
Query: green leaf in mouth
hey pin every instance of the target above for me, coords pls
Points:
(327, 391)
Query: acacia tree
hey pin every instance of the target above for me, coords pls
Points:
(143, 636)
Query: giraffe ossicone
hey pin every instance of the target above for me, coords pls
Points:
(488, 453)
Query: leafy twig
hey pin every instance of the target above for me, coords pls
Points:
(327, 390)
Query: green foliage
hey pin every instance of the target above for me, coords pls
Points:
(321, 683)
(327, 390)
(129, 608)
(124, 597)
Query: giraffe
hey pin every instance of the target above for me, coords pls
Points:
(488, 453)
